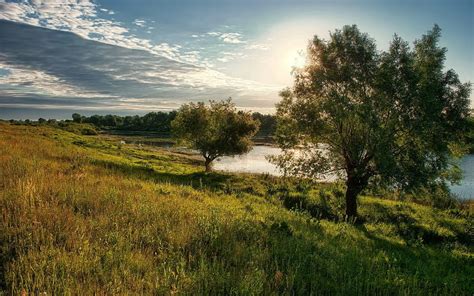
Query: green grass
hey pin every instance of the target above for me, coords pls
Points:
(85, 215)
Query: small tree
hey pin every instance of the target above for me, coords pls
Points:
(76, 117)
(391, 117)
(216, 130)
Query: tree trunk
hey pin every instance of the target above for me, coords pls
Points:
(354, 185)
(351, 202)
(207, 163)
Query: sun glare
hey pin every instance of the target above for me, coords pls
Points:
(296, 59)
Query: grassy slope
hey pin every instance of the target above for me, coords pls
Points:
(81, 214)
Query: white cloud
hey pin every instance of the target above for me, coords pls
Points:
(77, 16)
(233, 38)
(41, 82)
(139, 22)
(80, 17)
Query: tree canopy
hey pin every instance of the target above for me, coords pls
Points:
(216, 130)
(391, 117)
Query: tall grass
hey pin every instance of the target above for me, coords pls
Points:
(80, 215)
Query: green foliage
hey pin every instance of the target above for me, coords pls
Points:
(77, 118)
(78, 128)
(215, 130)
(159, 122)
(393, 117)
(267, 124)
(81, 216)
(469, 135)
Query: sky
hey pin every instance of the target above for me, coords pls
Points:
(132, 57)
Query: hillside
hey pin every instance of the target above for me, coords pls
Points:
(84, 214)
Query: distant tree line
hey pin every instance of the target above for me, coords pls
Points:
(159, 122)
(154, 121)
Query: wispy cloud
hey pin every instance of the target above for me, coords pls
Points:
(98, 63)
(22, 80)
(233, 38)
(63, 70)
(139, 22)
(82, 18)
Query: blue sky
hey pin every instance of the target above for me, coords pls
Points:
(133, 57)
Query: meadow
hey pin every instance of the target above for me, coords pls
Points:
(84, 214)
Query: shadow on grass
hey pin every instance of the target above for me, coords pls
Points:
(410, 229)
(387, 267)
(426, 261)
(406, 226)
(200, 180)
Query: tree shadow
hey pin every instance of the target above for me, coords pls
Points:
(415, 256)
(427, 265)
(410, 229)
(199, 180)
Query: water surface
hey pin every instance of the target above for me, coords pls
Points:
(465, 190)
(255, 162)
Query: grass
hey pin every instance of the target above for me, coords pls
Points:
(86, 215)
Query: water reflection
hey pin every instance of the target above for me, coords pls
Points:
(256, 162)
(252, 162)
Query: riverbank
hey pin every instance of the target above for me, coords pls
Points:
(256, 160)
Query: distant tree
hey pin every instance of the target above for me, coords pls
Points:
(267, 124)
(137, 121)
(76, 117)
(216, 130)
(109, 120)
(391, 118)
(128, 122)
(95, 120)
(41, 120)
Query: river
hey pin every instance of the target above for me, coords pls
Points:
(255, 162)
(465, 190)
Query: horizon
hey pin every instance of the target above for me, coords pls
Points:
(127, 58)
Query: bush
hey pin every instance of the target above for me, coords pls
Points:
(79, 128)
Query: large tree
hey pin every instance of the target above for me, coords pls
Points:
(389, 117)
(216, 130)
